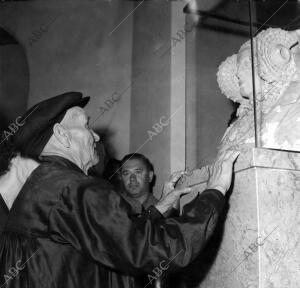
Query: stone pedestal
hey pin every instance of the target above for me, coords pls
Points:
(259, 243)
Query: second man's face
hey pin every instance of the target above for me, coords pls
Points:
(136, 178)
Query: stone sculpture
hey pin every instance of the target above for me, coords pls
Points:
(277, 82)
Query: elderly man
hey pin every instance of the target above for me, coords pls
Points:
(66, 229)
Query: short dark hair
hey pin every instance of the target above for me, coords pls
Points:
(138, 156)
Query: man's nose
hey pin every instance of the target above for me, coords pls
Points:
(132, 177)
(96, 136)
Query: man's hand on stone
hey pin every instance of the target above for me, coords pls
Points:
(170, 184)
(171, 196)
(220, 172)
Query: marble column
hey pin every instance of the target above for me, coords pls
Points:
(259, 240)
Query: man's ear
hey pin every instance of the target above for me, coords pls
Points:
(151, 174)
(61, 135)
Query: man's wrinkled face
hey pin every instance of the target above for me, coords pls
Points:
(82, 138)
(136, 177)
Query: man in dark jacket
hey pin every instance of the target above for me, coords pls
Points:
(137, 176)
(66, 229)
(136, 173)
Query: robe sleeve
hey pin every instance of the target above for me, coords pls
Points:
(95, 220)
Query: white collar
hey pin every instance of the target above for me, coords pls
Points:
(12, 181)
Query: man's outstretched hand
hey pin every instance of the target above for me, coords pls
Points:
(220, 176)
(170, 196)
(220, 172)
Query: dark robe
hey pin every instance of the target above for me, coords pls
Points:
(3, 214)
(67, 230)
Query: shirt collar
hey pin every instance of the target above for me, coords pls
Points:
(136, 206)
(151, 200)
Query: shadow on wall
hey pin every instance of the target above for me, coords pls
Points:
(14, 79)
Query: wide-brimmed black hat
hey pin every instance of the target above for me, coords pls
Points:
(38, 121)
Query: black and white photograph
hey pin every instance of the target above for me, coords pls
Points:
(149, 144)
